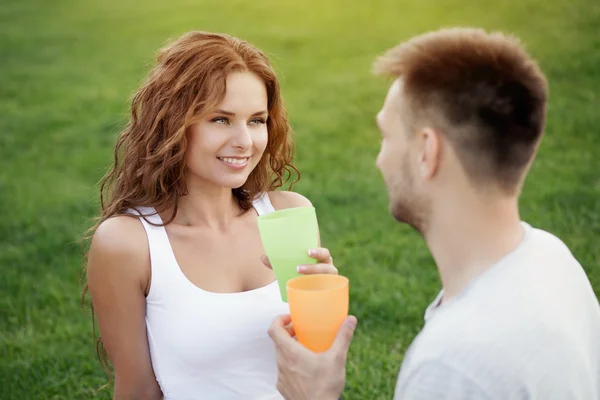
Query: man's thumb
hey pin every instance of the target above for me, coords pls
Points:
(342, 341)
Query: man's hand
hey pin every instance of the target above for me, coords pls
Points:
(304, 375)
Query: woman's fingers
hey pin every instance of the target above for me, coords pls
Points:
(317, 269)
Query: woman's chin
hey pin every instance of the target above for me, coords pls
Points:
(218, 179)
(233, 183)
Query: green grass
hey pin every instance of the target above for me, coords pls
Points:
(68, 69)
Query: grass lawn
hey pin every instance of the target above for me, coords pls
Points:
(67, 71)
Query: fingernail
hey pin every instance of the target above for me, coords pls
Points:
(351, 323)
(311, 252)
(301, 268)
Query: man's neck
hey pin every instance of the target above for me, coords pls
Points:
(471, 237)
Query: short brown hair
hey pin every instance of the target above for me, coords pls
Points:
(482, 90)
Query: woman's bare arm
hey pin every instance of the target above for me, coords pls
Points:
(118, 274)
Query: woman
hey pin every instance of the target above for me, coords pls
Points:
(174, 269)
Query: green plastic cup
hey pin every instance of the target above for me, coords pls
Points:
(286, 236)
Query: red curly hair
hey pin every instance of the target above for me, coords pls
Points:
(187, 83)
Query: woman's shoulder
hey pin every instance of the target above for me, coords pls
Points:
(119, 242)
(121, 233)
(287, 199)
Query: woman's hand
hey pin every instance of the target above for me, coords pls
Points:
(324, 263)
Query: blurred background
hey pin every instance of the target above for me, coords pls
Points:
(67, 72)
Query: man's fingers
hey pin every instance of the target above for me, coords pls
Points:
(342, 341)
(265, 260)
(279, 330)
(290, 330)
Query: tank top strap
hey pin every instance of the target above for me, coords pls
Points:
(262, 204)
(163, 265)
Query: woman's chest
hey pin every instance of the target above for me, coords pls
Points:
(224, 263)
(215, 329)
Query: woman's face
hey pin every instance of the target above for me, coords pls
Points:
(229, 142)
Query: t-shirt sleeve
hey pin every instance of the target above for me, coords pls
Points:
(437, 380)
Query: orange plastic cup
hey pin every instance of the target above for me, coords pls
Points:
(318, 306)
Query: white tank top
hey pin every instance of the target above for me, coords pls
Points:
(206, 345)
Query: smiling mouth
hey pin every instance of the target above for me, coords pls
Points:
(234, 161)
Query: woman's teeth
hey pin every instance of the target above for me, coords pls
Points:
(235, 161)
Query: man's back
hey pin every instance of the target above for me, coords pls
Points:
(528, 328)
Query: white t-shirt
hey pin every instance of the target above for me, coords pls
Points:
(527, 328)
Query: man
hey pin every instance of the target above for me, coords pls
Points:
(517, 317)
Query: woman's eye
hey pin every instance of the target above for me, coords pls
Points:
(220, 120)
(257, 121)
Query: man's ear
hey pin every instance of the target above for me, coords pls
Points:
(430, 153)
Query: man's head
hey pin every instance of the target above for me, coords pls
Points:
(466, 111)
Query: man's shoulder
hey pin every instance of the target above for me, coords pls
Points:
(548, 245)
